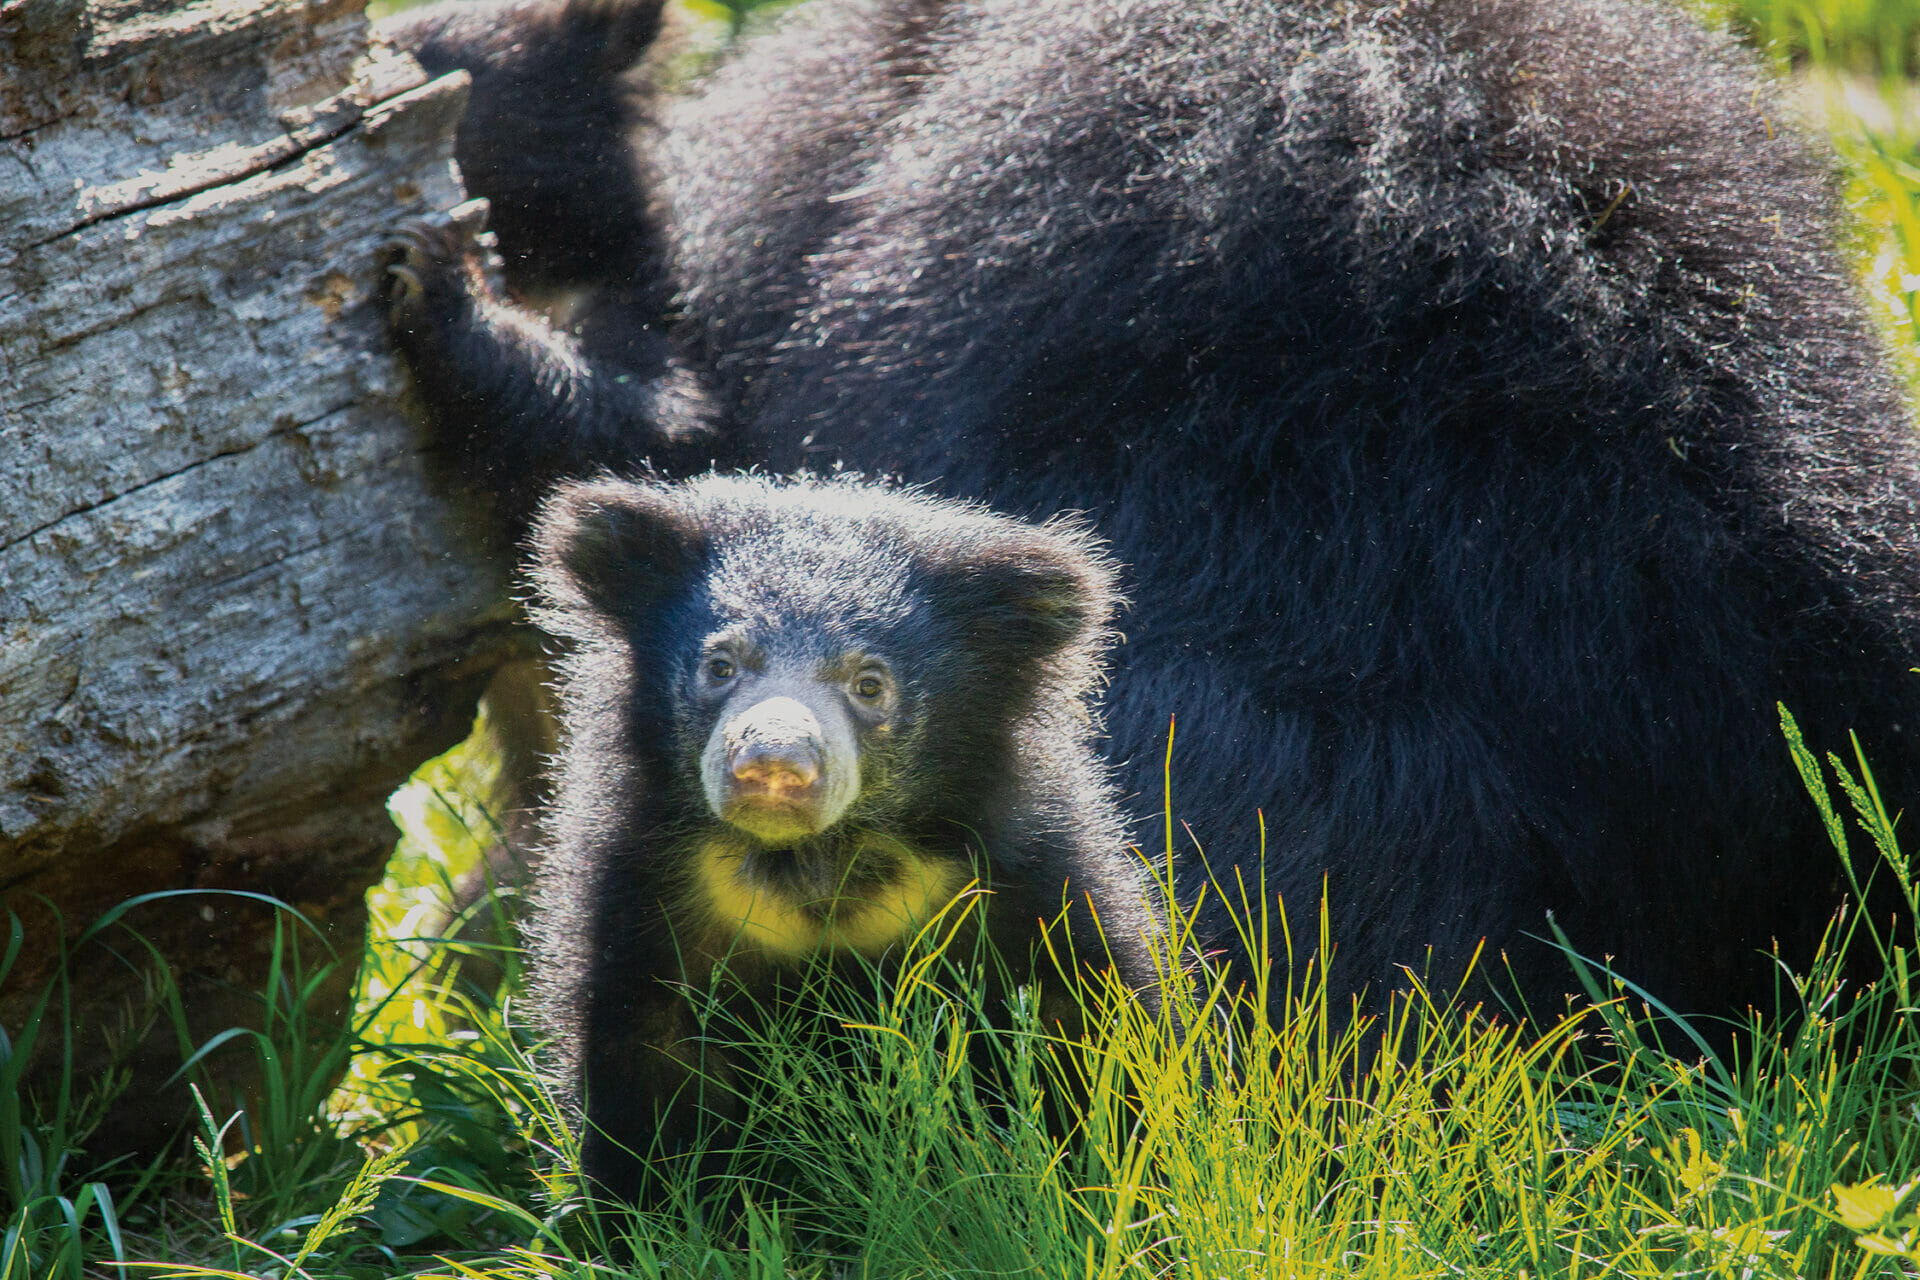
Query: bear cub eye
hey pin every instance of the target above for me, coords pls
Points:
(869, 686)
(721, 669)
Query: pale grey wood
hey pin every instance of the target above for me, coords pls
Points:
(236, 604)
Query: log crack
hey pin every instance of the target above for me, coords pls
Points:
(268, 158)
(277, 433)
(37, 126)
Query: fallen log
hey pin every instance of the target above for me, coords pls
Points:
(236, 607)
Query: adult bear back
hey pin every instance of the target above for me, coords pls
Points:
(1474, 390)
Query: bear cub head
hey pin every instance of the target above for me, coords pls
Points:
(831, 700)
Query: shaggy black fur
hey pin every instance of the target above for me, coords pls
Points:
(1472, 387)
(982, 767)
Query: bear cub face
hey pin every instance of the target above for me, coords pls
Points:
(832, 691)
(796, 722)
(802, 722)
(782, 761)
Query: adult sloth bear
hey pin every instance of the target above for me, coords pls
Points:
(1472, 387)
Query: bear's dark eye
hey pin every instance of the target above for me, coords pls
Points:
(722, 668)
(869, 686)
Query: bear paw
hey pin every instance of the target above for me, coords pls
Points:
(435, 267)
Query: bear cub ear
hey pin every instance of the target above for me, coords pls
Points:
(611, 550)
(1036, 591)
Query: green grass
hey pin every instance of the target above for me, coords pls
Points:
(1866, 37)
(906, 1131)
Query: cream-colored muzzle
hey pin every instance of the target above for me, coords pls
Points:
(784, 766)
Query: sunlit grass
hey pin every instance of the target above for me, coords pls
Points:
(1865, 37)
(441, 904)
(903, 1128)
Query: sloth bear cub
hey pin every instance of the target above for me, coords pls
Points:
(802, 717)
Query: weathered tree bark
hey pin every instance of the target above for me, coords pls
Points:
(235, 605)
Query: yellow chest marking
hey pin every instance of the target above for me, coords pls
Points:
(744, 914)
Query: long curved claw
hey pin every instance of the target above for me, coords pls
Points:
(408, 287)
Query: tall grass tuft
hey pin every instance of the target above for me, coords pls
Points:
(67, 1213)
(901, 1127)
(55, 1221)
(905, 1129)
(1228, 1123)
(1865, 37)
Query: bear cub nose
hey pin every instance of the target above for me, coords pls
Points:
(782, 768)
(775, 774)
(779, 771)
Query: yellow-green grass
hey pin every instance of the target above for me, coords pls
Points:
(900, 1128)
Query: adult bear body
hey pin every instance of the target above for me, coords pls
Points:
(1474, 391)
